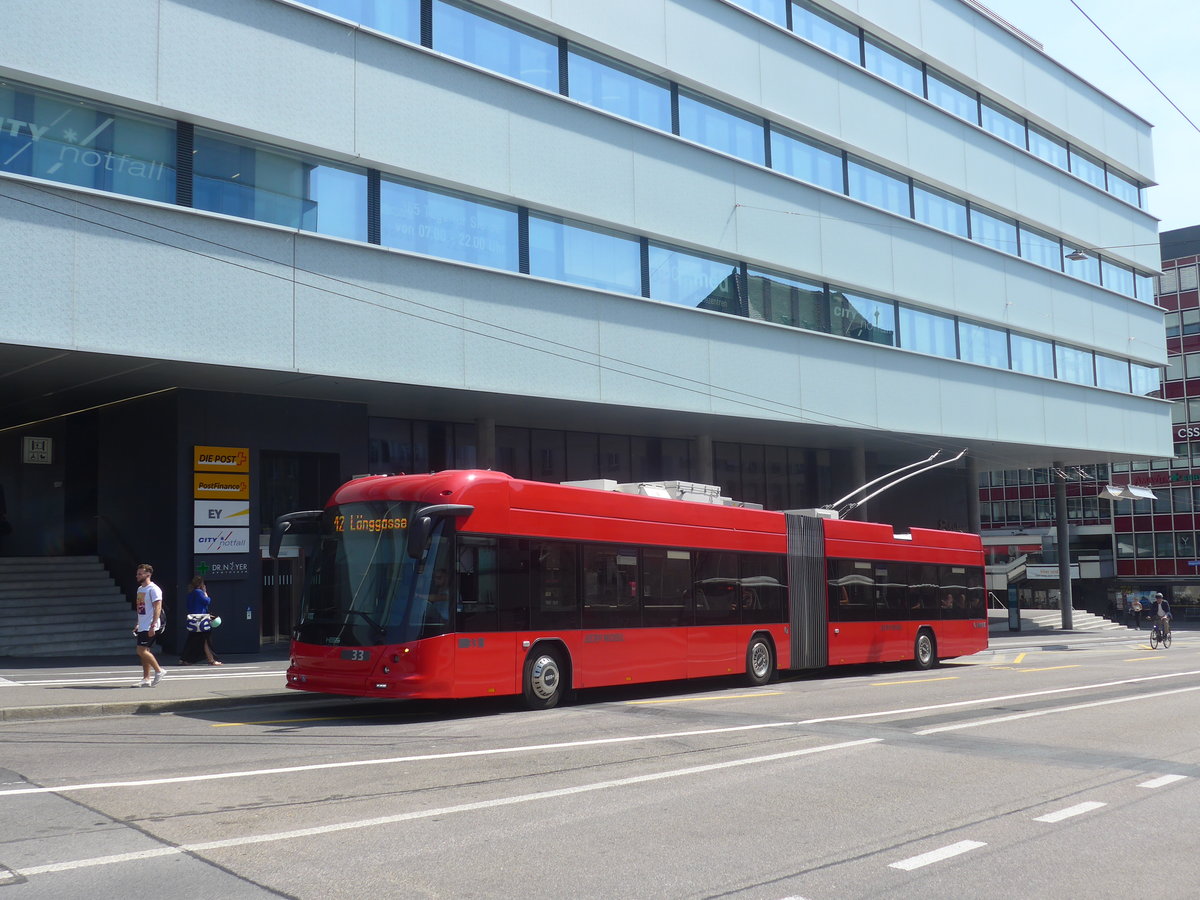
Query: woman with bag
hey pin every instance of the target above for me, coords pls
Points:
(199, 626)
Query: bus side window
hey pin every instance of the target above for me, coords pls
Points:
(554, 585)
(475, 567)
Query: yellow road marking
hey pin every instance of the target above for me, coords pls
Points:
(1048, 668)
(1140, 658)
(914, 681)
(1020, 656)
(702, 699)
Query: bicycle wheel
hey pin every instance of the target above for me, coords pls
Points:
(1166, 641)
(1154, 639)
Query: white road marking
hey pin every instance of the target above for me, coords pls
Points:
(277, 836)
(915, 862)
(1162, 781)
(173, 674)
(1048, 712)
(960, 703)
(1076, 810)
(313, 767)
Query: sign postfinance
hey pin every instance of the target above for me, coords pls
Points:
(223, 487)
(221, 459)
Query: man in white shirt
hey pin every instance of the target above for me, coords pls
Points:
(149, 622)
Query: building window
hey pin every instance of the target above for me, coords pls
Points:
(1088, 168)
(1112, 373)
(996, 231)
(927, 332)
(1002, 123)
(1048, 147)
(1116, 277)
(242, 178)
(621, 90)
(895, 65)
(787, 301)
(983, 344)
(806, 159)
(1145, 380)
(689, 279)
(495, 42)
(1074, 365)
(939, 209)
(826, 30)
(399, 18)
(953, 97)
(1087, 269)
(721, 127)
(772, 10)
(580, 254)
(447, 225)
(59, 138)
(1123, 187)
(1032, 356)
(1041, 248)
(879, 187)
(863, 318)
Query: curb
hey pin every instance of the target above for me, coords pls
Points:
(144, 708)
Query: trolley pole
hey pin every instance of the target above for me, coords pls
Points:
(1064, 546)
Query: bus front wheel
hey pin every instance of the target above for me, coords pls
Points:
(924, 652)
(543, 680)
(760, 661)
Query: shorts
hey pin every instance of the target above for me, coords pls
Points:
(145, 639)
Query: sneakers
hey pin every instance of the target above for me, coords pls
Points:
(158, 676)
(145, 682)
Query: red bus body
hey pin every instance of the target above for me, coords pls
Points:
(468, 663)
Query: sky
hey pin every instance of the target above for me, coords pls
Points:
(1163, 38)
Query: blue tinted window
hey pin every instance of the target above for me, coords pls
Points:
(1032, 356)
(998, 232)
(1144, 285)
(896, 66)
(1112, 373)
(1146, 381)
(609, 85)
(447, 226)
(718, 126)
(933, 207)
(240, 178)
(775, 10)
(52, 136)
(1116, 277)
(787, 301)
(927, 332)
(1088, 168)
(496, 42)
(400, 18)
(1047, 146)
(1087, 268)
(878, 187)
(581, 255)
(983, 345)
(808, 160)
(953, 97)
(1041, 248)
(1002, 123)
(864, 318)
(692, 280)
(1124, 187)
(826, 30)
(1074, 365)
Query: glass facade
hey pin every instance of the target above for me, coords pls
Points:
(877, 186)
(583, 255)
(495, 42)
(939, 209)
(722, 128)
(808, 160)
(826, 30)
(447, 225)
(619, 89)
(689, 279)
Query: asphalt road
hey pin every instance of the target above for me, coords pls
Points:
(1062, 770)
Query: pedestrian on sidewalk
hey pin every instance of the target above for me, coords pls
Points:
(149, 622)
(199, 625)
(1135, 612)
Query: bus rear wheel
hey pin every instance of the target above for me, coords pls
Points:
(924, 652)
(760, 661)
(543, 680)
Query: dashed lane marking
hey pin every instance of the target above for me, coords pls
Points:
(1162, 781)
(1077, 810)
(942, 853)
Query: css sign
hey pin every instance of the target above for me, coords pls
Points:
(1187, 432)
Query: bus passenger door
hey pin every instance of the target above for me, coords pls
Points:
(714, 647)
(485, 658)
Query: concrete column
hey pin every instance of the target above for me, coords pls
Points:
(1064, 546)
(704, 459)
(485, 443)
(858, 477)
(974, 523)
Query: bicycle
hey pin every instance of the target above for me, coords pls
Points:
(1157, 636)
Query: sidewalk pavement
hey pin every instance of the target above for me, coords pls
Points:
(41, 688)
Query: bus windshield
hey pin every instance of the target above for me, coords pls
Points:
(363, 587)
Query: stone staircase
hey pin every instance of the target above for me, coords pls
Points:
(62, 606)
(1051, 620)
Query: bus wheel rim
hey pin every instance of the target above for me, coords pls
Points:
(544, 678)
(760, 659)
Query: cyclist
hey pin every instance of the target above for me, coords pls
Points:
(1162, 614)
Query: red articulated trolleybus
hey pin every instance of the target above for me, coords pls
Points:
(473, 583)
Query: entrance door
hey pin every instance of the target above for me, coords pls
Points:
(282, 580)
